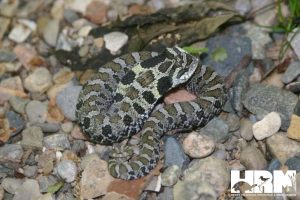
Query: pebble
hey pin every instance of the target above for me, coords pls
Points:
(95, 179)
(26, 54)
(79, 147)
(217, 129)
(174, 154)
(45, 161)
(246, 130)
(67, 99)
(16, 122)
(7, 56)
(268, 126)
(5, 22)
(78, 5)
(281, 147)
(266, 18)
(293, 87)
(67, 127)
(11, 185)
(154, 185)
(28, 190)
(166, 194)
(57, 141)
(18, 104)
(194, 190)
(262, 99)
(232, 120)
(48, 127)
(259, 39)
(293, 163)
(32, 137)
(198, 146)
(243, 6)
(14, 86)
(76, 133)
(114, 41)
(96, 12)
(45, 182)
(39, 81)
(170, 176)
(294, 38)
(274, 165)
(47, 196)
(211, 170)
(67, 170)
(293, 130)
(50, 32)
(291, 73)
(70, 15)
(252, 158)
(36, 111)
(22, 30)
(11, 153)
(30, 171)
(63, 76)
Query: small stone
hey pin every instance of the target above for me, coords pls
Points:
(87, 159)
(45, 161)
(262, 99)
(16, 122)
(170, 176)
(22, 30)
(231, 120)
(57, 10)
(243, 6)
(47, 196)
(96, 12)
(67, 127)
(268, 126)
(154, 185)
(294, 38)
(36, 111)
(7, 56)
(11, 185)
(57, 141)
(67, 170)
(50, 32)
(28, 56)
(32, 137)
(30, 171)
(246, 130)
(252, 158)
(184, 190)
(293, 163)
(48, 127)
(18, 104)
(99, 42)
(78, 134)
(38, 81)
(11, 153)
(274, 165)
(95, 179)
(70, 15)
(4, 26)
(281, 147)
(216, 129)
(11, 87)
(45, 182)
(198, 146)
(114, 41)
(174, 154)
(28, 190)
(78, 5)
(210, 169)
(293, 87)
(67, 99)
(291, 73)
(64, 75)
(293, 130)
(79, 147)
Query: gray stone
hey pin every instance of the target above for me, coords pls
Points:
(32, 137)
(67, 170)
(114, 41)
(174, 154)
(11, 184)
(166, 194)
(246, 129)
(216, 129)
(18, 104)
(50, 32)
(232, 120)
(186, 190)
(36, 111)
(28, 190)
(7, 56)
(170, 176)
(252, 158)
(274, 165)
(11, 153)
(48, 127)
(57, 141)
(67, 100)
(70, 15)
(30, 171)
(39, 80)
(293, 163)
(16, 122)
(294, 38)
(262, 99)
(4, 26)
(243, 6)
(46, 181)
(291, 73)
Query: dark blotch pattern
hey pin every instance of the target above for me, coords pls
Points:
(127, 120)
(118, 97)
(149, 97)
(138, 108)
(128, 78)
(153, 61)
(164, 85)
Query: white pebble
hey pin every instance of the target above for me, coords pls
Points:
(268, 126)
(114, 41)
(22, 30)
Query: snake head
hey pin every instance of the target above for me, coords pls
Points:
(185, 64)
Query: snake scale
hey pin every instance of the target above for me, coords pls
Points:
(119, 101)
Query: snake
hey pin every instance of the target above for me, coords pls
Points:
(122, 97)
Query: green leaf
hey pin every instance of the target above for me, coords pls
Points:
(219, 54)
(54, 188)
(195, 50)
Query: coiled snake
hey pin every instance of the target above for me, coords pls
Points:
(120, 99)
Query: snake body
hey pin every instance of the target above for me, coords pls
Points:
(120, 99)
